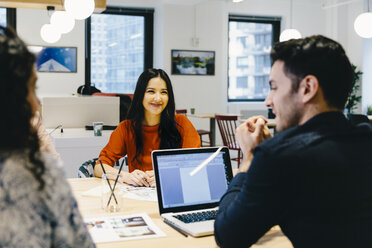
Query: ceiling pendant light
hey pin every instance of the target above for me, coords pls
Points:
(79, 9)
(363, 24)
(49, 33)
(290, 33)
(62, 21)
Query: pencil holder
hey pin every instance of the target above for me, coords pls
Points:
(111, 202)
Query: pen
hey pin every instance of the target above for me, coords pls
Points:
(108, 181)
(175, 227)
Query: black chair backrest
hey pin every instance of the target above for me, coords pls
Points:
(181, 111)
(125, 102)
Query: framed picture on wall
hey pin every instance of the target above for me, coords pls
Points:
(192, 62)
(55, 59)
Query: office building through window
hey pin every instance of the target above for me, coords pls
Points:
(118, 49)
(250, 42)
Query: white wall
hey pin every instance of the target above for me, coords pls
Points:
(29, 22)
(367, 75)
(208, 21)
(176, 24)
(302, 19)
(340, 27)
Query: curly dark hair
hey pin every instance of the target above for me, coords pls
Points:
(319, 56)
(16, 70)
(169, 135)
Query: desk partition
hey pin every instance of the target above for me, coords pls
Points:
(79, 111)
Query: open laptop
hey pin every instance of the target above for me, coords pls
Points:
(190, 203)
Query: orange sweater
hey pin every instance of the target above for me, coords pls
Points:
(122, 142)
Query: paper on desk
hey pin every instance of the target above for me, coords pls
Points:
(140, 193)
(120, 228)
(132, 192)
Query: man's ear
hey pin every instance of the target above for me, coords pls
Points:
(309, 88)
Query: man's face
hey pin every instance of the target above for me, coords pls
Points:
(285, 103)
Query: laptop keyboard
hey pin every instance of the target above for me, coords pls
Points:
(197, 216)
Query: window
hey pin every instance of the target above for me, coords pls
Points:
(8, 17)
(241, 82)
(250, 42)
(242, 62)
(119, 48)
(3, 17)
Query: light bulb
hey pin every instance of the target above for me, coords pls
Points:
(289, 34)
(80, 9)
(63, 21)
(35, 49)
(363, 24)
(49, 33)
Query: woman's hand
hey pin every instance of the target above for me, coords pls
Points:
(152, 178)
(137, 178)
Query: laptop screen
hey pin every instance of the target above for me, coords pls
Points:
(178, 189)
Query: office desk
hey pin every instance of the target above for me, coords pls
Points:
(77, 145)
(91, 207)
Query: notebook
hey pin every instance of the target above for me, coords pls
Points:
(190, 203)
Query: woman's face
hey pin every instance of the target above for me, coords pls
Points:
(156, 97)
(32, 98)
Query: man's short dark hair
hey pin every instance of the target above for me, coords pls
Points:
(321, 57)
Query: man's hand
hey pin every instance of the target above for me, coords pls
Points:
(249, 135)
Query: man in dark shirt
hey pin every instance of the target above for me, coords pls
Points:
(313, 179)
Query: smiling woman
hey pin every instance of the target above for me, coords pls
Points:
(151, 125)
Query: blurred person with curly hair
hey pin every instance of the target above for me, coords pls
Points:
(37, 208)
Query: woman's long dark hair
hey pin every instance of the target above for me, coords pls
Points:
(169, 135)
(16, 70)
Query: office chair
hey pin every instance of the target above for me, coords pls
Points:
(227, 125)
(87, 168)
(201, 132)
(181, 111)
